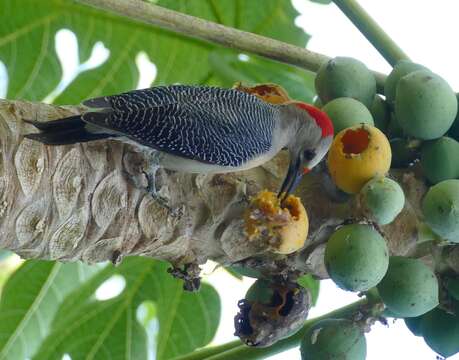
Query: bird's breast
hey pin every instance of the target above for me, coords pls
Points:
(180, 163)
(177, 163)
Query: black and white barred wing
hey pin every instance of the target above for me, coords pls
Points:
(161, 96)
(227, 131)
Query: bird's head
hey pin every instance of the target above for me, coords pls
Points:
(312, 139)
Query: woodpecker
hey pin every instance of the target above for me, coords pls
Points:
(201, 129)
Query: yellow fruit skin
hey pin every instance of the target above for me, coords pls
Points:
(351, 171)
(285, 228)
(295, 233)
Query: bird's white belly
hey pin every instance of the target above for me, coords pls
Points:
(178, 163)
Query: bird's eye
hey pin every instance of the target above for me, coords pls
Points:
(309, 154)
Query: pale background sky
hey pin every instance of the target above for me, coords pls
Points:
(427, 30)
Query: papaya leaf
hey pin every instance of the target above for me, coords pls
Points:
(29, 301)
(88, 328)
(27, 42)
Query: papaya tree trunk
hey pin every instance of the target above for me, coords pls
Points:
(88, 202)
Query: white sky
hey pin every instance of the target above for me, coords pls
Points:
(428, 31)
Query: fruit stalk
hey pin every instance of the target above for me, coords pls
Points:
(372, 31)
(191, 26)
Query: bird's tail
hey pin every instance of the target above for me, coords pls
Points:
(64, 131)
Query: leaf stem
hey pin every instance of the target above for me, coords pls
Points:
(235, 350)
(372, 31)
(209, 352)
(216, 33)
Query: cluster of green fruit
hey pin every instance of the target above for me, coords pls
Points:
(418, 103)
(424, 107)
(415, 121)
(419, 115)
(347, 93)
(418, 111)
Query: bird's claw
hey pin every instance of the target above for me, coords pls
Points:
(151, 189)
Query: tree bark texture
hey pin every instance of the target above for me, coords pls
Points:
(89, 202)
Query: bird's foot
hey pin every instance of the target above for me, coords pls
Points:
(158, 194)
(151, 189)
(189, 274)
(150, 175)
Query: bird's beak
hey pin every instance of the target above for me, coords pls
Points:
(292, 179)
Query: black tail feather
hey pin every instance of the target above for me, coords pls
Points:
(66, 137)
(67, 123)
(64, 131)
